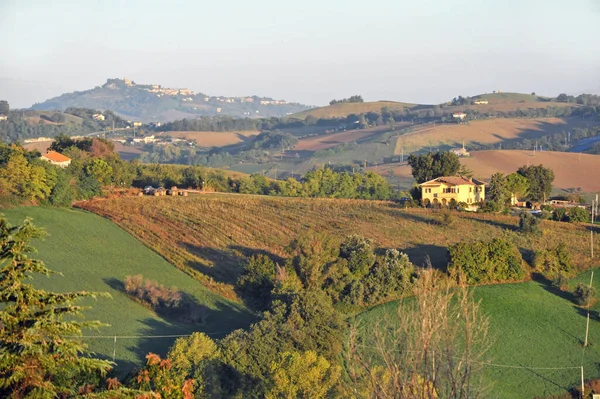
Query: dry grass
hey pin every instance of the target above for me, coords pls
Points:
(489, 131)
(214, 139)
(345, 109)
(41, 146)
(208, 236)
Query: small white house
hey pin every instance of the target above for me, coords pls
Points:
(3, 118)
(459, 115)
(98, 117)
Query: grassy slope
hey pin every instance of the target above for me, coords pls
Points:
(212, 234)
(531, 325)
(95, 255)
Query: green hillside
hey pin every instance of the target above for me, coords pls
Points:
(95, 255)
(531, 325)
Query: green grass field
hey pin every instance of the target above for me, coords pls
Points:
(95, 255)
(532, 325)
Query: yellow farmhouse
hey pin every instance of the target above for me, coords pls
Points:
(440, 191)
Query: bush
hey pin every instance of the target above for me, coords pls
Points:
(584, 293)
(257, 281)
(485, 262)
(529, 224)
(578, 215)
(447, 218)
(167, 301)
(560, 281)
(555, 261)
(559, 214)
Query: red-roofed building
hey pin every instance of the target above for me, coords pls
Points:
(56, 158)
(441, 191)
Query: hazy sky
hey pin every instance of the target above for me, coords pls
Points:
(308, 51)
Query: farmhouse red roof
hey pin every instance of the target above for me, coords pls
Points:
(454, 180)
(56, 156)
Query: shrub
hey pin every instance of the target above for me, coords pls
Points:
(554, 261)
(559, 214)
(168, 301)
(447, 218)
(257, 280)
(560, 281)
(484, 262)
(584, 293)
(529, 224)
(578, 215)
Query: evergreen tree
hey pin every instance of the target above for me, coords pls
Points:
(37, 357)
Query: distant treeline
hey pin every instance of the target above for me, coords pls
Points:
(18, 127)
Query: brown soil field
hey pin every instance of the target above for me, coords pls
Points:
(41, 146)
(571, 170)
(127, 152)
(214, 139)
(489, 131)
(210, 236)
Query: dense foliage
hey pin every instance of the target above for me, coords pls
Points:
(486, 261)
(429, 166)
(36, 361)
(540, 181)
(351, 99)
(554, 262)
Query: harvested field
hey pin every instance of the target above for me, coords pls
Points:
(209, 236)
(127, 152)
(483, 132)
(571, 170)
(41, 146)
(214, 139)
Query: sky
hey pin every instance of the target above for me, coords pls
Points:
(423, 51)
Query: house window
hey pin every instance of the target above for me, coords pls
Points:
(470, 189)
(428, 190)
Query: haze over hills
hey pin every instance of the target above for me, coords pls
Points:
(152, 102)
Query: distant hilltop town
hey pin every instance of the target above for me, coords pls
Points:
(187, 93)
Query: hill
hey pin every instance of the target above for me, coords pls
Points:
(95, 255)
(342, 110)
(156, 103)
(212, 234)
(531, 325)
(485, 132)
(571, 170)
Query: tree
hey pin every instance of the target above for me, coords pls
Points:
(4, 107)
(540, 181)
(578, 215)
(517, 185)
(302, 375)
(498, 190)
(36, 360)
(433, 347)
(429, 166)
(99, 170)
(258, 280)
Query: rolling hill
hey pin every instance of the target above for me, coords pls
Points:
(483, 132)
(571, 170)
(156, 103)
(210, 235)
(95, 255)
(342, 110)
(531, 325)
